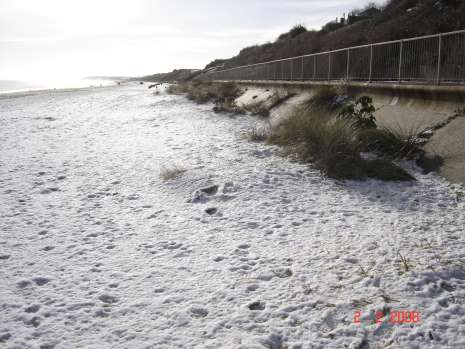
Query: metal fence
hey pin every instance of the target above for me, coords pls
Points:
(433, 59)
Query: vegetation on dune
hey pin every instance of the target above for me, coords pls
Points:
(175, 75)
(397, 19)
(335, 144)
(329, 130)
(359, 113)
(224, 95)
(294, 32)
(389, 142)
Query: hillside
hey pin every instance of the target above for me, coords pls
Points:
(397, 19)
(175, 75)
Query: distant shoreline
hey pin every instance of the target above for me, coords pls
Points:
(14, 87)
(33, 92)
(40, 90)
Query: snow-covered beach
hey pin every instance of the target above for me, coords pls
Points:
(97, 251)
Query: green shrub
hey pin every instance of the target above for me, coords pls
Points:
(332, 145)
(360, 113)
(329, 145)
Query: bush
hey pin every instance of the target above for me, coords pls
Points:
(295, 31)
(332, 146)
(222, 94)
(328, 144)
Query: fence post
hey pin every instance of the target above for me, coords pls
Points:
(400, 59)
(371, 63)
(314, 67)
(438, 76)
(292, 69)
(302, 70)
(329, 66)
(348, 63)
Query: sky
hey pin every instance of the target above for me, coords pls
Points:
(58, 39)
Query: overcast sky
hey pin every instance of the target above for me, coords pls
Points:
(75, 38)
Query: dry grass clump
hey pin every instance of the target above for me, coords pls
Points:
(178, 88)
(332, 145)
(258, 134)
(389, 142)
(171, 172)
(328, 144)
(223, 94)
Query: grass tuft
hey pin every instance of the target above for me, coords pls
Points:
(324, 99)
(392, 143)
(332, 145)
(223, 94)
(171, 172)
(258, 134)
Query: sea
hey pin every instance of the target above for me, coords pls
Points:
(12, 86)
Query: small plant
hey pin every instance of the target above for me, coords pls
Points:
(364, 272)
(404, 263)
(258, 134)
(459, 195)
(171, 172)
(360, 113)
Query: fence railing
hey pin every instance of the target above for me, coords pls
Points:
(433, 59)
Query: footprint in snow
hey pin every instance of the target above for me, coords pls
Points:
(32, 308)
(40, 281)
(203, 194)
(132, 197)
(257, 305)
(172, 245)
(49, 190)
(198, 312)
(108, 299)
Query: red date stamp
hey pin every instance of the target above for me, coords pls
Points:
(393, 317)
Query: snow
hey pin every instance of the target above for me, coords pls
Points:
(97, 251)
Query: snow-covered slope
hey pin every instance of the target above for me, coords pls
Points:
(96, 251)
